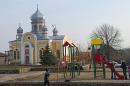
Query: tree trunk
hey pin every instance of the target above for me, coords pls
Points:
(108, 51)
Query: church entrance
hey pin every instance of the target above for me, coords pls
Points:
(27, 54)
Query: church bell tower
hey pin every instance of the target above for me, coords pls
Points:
(38, 24)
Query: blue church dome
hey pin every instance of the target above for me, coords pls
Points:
(19, 30)
(37, 15)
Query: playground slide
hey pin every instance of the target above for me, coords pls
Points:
(98, 59)
(120, 77)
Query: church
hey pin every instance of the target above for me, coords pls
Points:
(27, 47)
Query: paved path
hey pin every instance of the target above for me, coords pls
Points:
(53, 77)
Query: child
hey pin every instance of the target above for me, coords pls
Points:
(112, 67)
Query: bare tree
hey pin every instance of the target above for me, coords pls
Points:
(110, 35)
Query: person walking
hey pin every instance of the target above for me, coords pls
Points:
(123, 66)
(46, 78)
(128, 70)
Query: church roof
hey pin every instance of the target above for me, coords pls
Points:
(58, 37)
(15, 40)
(40, 36)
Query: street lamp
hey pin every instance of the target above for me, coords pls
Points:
(54, 34)
(16, 49)
(11, 55)
(54, 27)
(5, 57)
(8, 56)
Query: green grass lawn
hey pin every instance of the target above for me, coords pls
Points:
(17, 69)
(12, 67)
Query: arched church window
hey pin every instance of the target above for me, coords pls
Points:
(40, 27)
(41, 52)
(18, 54)
(58, 53)
(35, 28)
(15, 55)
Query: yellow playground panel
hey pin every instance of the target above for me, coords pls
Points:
(96, 41)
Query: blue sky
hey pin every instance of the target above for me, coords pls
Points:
(75, 18)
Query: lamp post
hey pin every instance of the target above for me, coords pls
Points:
(54, 27)
(8, 52)
(54, 48)
(16, 49)
(5, 57)
(11, 55)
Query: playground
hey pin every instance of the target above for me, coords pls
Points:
(70, 68)
(99, 66)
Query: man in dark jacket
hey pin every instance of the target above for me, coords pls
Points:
(46, 80)
(123, 66)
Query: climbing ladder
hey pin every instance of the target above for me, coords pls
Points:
(99, 71)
